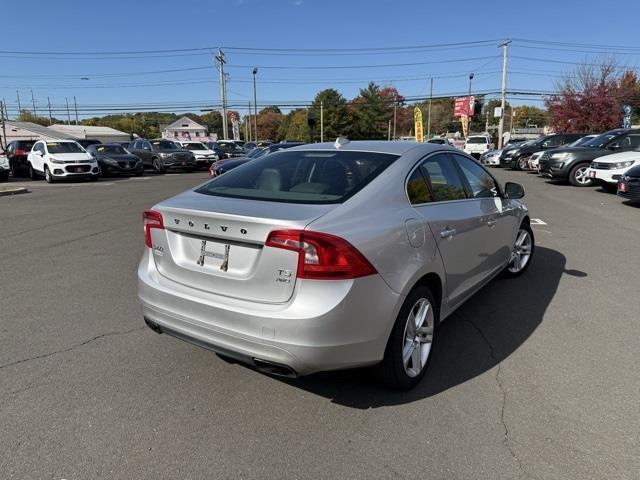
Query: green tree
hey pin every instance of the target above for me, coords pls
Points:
(335, 114)
(370, 114)
(27, 116)
(294, 126)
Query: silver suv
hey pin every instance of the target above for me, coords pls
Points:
(325, 257)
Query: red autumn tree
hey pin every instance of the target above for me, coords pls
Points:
(587, 100)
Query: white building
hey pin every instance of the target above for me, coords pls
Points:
(185, 129)
(14, 130)
(81, 132)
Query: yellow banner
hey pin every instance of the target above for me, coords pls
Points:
(417, 118)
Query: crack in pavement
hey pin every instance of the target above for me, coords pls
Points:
(73, 347)
(492, 354)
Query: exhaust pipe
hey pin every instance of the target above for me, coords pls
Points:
(153, 326)
(271, 368)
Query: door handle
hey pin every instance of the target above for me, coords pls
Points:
(448, 232)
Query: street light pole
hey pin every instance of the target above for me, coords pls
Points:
(223, 92)
(505, 47)
(429, 112)
(255, 105)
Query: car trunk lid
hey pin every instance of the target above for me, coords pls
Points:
(216, 244)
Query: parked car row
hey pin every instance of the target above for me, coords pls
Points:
(581, 160)
(89, 159)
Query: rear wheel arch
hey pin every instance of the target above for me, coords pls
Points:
(433, 281)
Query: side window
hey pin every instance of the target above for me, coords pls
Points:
(481, 183)
(634, 140)
(146, 146)
(624, 141)
(443, 178)
(417, 188)
(552, 142)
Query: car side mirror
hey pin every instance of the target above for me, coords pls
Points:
(614, 146)
(513, 190)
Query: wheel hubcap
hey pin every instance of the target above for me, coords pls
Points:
(521, 252)
(418, 337)
(581, 176)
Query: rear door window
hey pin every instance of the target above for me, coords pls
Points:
(303, 176)
(417, 188)
(443, 178)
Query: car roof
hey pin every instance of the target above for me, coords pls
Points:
(380, 146)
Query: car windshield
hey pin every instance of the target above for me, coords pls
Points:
(310, 177)
(477, 140)
(64, 147)
(231, 147)
(256, 152)
(601, 140)
(111, 150)
(195, 146)
(581, 141)
(164, 145)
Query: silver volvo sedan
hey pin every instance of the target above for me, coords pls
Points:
(331, 256)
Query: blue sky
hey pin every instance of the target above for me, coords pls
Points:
(145, 25)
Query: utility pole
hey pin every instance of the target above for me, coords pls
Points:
(50, 116)
(3, 143)
(389, 132)
(505, 47)
(19, 107)
(68, 114)
(511, 120)
(223, 92)
(321, 121)
(249, 136)
(33, 101)
(429, 114)
(486, 119)
(395, 115)
(6, 114)
(75, 106)
(255, 104)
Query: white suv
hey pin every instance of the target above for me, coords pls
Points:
(4, 167)
(204, 155)
(476, 145)
(610, 168)
(60, 159)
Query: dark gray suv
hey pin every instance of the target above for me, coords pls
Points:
(162, 155)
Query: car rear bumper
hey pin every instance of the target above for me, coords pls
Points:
(326, 325)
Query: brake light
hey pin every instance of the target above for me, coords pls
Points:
(151, 219)
(322, 256)
(19, 152)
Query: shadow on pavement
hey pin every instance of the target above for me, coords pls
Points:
(477, 337)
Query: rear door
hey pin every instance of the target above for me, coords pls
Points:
(457, 223)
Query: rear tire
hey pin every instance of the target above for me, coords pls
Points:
(409, 347)
(578, 176)
(4, 175)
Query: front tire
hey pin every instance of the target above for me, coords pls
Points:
(521, 253)
(523, 163)
(157, 168)
(48, 176)
(578, 176)
(409, 346)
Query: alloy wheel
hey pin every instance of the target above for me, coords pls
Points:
(521, 252)
(418, 337)
(581, 176)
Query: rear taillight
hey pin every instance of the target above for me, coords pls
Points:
(322, 256)
(151, 219)
(19, 152)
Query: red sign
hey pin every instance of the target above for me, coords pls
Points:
(464, 106)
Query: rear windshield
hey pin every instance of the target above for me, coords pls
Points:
(477, 140)
(64, 147)
(312, 177)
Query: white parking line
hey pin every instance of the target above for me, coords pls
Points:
(537, 221)
(139, 179)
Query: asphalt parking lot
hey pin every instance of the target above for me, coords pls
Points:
(536, 377)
